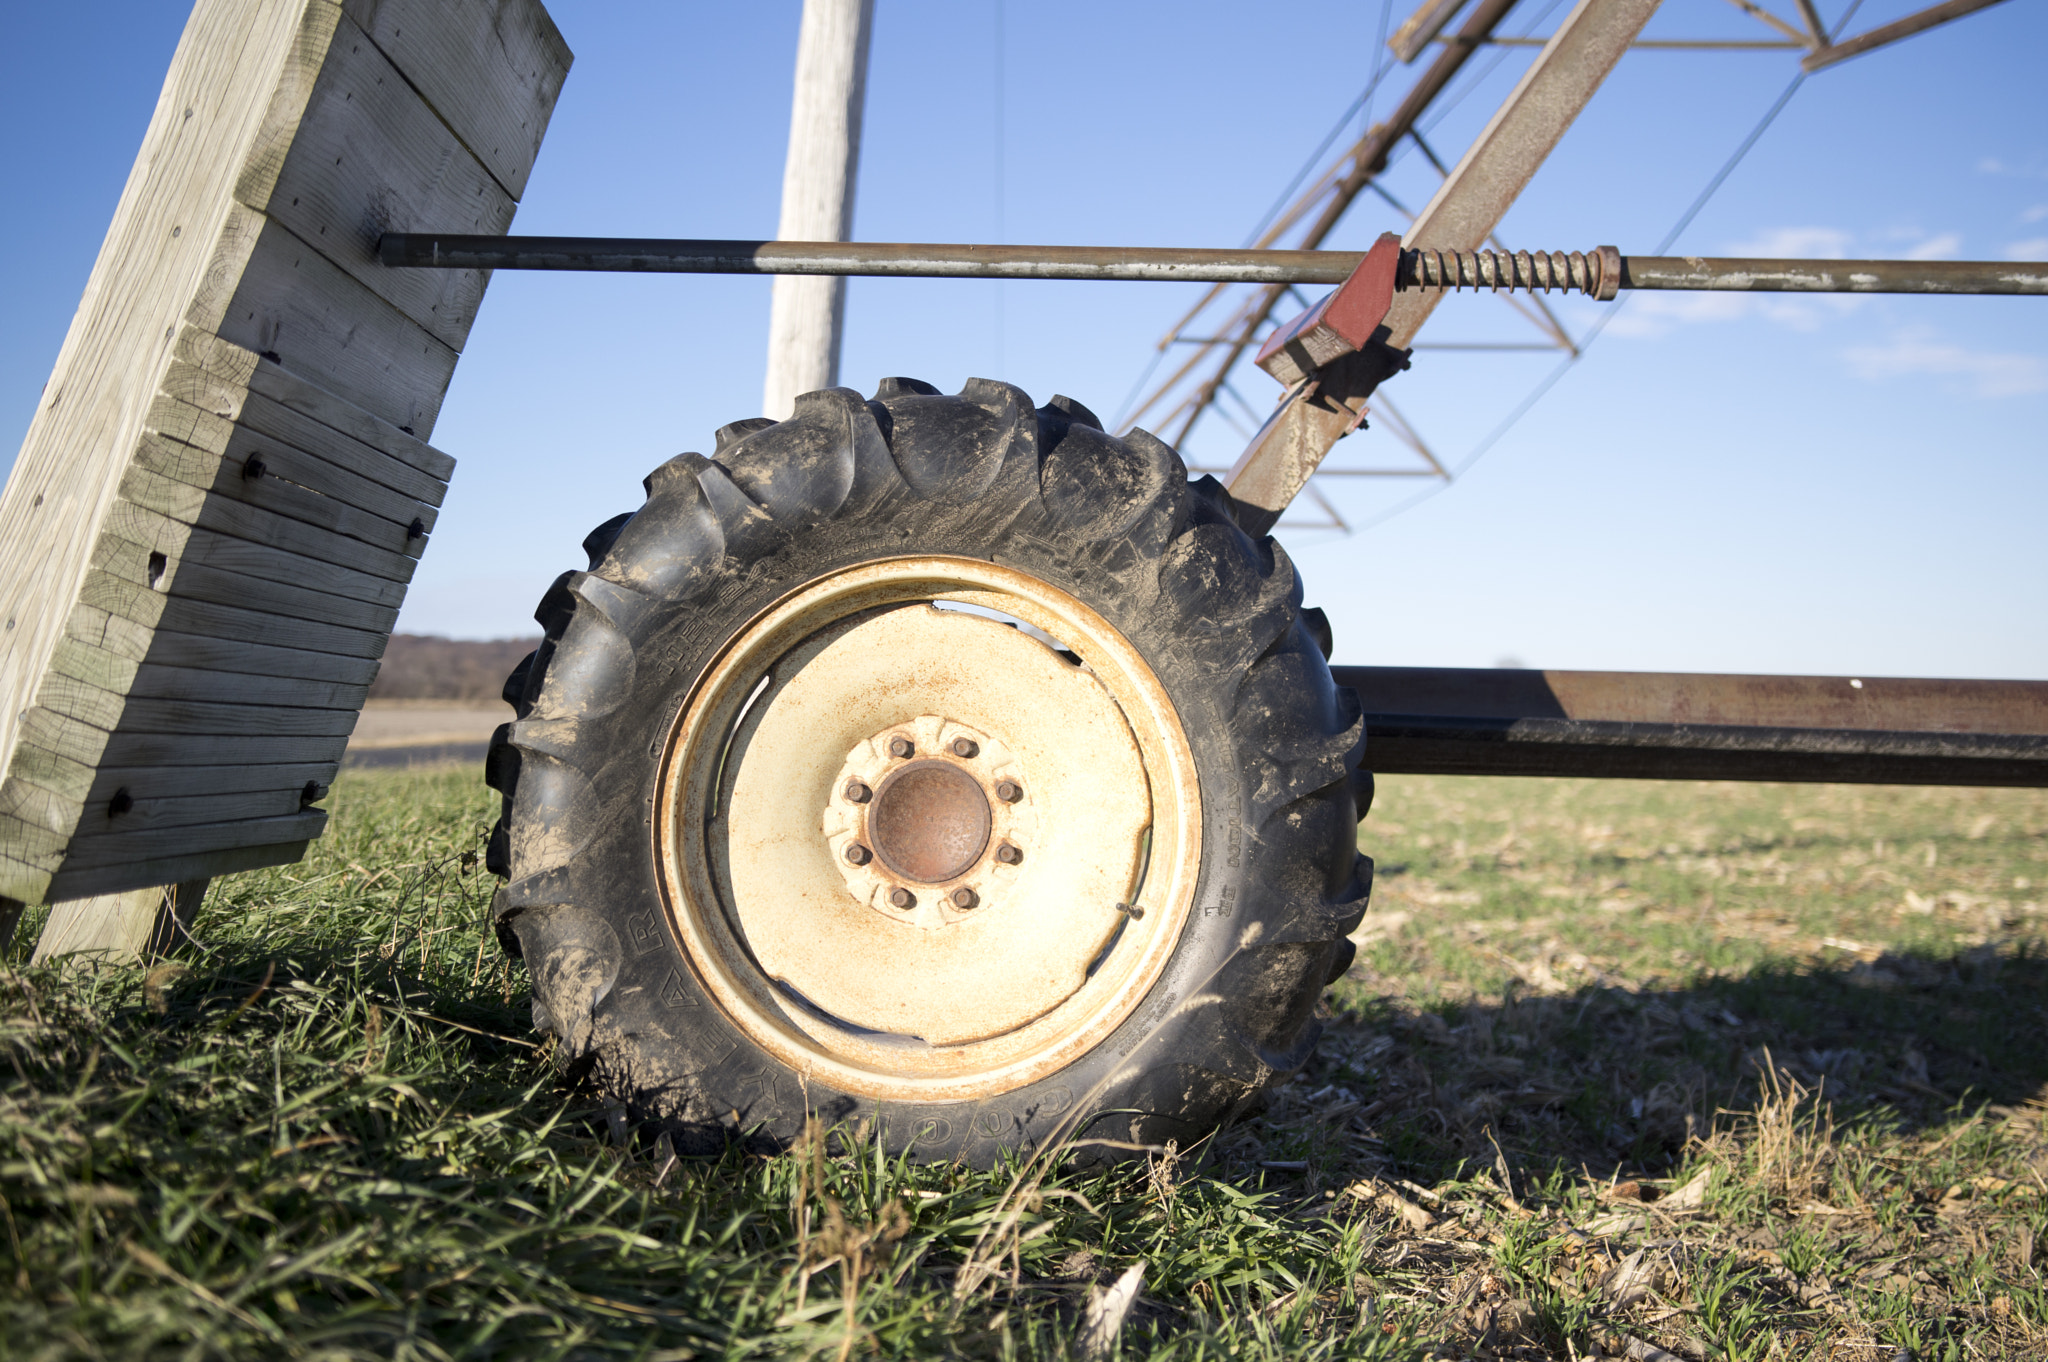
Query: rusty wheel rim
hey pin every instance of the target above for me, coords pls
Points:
(978, 928)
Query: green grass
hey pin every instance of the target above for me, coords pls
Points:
(1822, 1011)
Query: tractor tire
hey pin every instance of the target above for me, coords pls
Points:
(935, 765)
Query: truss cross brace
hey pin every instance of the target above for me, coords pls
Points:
(1286, 451)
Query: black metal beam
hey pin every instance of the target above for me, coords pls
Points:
(1658, 726)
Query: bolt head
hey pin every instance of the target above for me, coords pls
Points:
(901, 747)
(963, 897)
(965, 748)
(858, 793)
(1009, 791)
(902, 898)
(858, 854)
(1009, 855)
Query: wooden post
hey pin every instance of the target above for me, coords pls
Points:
(10, 918)
(226, 485)
(807, 313)
(141, 924)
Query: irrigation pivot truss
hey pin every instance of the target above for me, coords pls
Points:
(1201, 354)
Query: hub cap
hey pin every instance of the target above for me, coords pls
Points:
(930, 822)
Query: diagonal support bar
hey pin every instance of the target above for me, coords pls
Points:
(1467, 207)
(1931, 17)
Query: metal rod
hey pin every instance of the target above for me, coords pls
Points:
(1757, 11)
(1171, 264)
(658, 256)
(1834, 276)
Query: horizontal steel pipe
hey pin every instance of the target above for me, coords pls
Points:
(1660, 726)
(654, 255)
(1694, 273)
(657, 256)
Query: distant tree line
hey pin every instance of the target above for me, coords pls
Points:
(427, 667)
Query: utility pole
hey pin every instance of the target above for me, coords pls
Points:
(806, 314)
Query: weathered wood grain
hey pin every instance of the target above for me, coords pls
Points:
(197, 581)
(80, 881)
(75, 699)
(111, 848)
(115, 927)
(329, 463)
(140, 605)
(185, 545)
(492, 70)
(158, 251)
(62, 692)
(261, 525)
(260, 416)
(77, 785)
(291, 302)
(368, 156)
(96, 747)
(209, 352)
(133, 643)
(139, 811)
(226, 485)
(271, 488)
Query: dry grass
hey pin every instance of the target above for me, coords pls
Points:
(1725, 1072)
(1819, 1016)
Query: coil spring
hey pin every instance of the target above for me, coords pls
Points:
(1596, 274)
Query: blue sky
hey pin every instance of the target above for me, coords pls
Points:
(1720, 484)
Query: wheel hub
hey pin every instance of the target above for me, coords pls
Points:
(930, 821)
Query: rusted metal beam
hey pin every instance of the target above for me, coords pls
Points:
(1890, 33)
(1368, 157)
(1170, 264)
(1675, 44)
(1420, 28)
(1644, 725)
(1467, 207)
(1817, 31)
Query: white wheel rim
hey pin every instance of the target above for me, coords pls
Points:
(804, 951)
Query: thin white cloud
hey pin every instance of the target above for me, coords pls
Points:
(1991, 165)
(2033, 248)
(1943, 247)
(2036, 213)
(1794, 243)
(1979, 373)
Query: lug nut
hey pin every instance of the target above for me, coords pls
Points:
(964, 897)
(902, 898)
(1009, 791)
(965, 747)
(901, 747)
(1008, 854)
(858, 854)
(857, 792)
